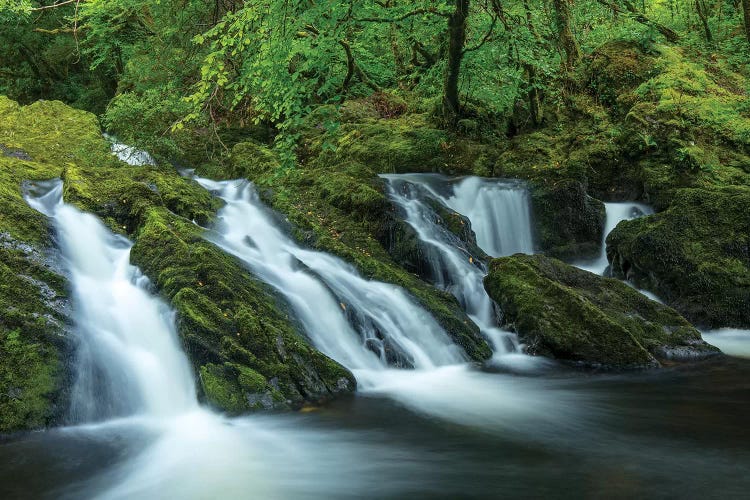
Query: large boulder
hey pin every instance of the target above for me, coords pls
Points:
(576, 316)
(569, 222)
(695, 255)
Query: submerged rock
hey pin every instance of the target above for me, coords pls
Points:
(569, 222)
(576, 316)
(695, 255)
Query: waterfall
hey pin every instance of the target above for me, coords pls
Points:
(128, 358)
(615, 213)
(500, 206)
(129, 154)
(499, 210)
(364, 325)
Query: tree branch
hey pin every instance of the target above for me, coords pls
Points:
(55, 5)
(431, 10)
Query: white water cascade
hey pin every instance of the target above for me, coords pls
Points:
(500, 206)
(129, 154)
(129, 360)
(616, 213)
(499, 210)
(364, 325)
(134, 384)
(135, 389)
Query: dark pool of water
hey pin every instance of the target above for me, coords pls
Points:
(675, 433)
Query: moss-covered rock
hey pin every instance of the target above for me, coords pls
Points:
(616, 68)
(35, 348)
(695, 255)
(576, 316)
(247, 352)
(569, 223)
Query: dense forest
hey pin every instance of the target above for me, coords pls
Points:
(346, 229)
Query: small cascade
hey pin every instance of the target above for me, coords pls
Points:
(499, 210)
(364, 325)
(129, 154)
(129, 359)
(616, 213)
(453, 267)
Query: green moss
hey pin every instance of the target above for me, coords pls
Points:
(574, 315)
(569, 223)
(32, 345)
(694, 255)
(51, 132)
(29, 378)
(229, 319)
(616, 68)
(236, 389)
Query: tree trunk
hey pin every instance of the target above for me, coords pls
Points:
(536, 110)
(746, 13)
(566, 40)
(702, 9)
(456, 42)
(639, 17)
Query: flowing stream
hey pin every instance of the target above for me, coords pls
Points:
(425, 424)
(616, 212)
(499, 214)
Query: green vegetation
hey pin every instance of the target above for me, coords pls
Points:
(311, 101)
(576, 316)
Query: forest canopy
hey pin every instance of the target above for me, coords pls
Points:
(151, 68)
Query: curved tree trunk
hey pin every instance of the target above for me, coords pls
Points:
(566, 40)
(456, 42)
(746, 14)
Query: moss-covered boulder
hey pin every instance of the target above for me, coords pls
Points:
(569, 223)
(695, 255)
(576, 316)
(246, 350)
(616, 68)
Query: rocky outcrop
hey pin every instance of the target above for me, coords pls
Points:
(695, 255)
(578, 317)
(247, 353)
(569, 222)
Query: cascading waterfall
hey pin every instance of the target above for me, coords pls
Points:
(129, 360)
(374, 328)
(131, 366)
(499, 210)
(364, 325)
(133, 379)
(615, 213)
(501, 206)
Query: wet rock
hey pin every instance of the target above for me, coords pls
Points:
(17, 153)
(569, 223)
(578, 317)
